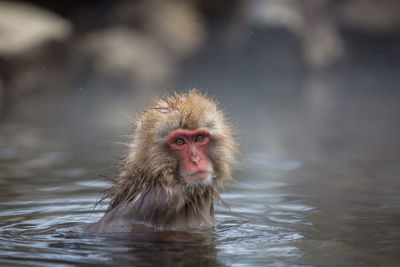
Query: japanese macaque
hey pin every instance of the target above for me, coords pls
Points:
(182, 152)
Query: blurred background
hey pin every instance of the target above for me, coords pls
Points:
(66, 59)
(313, 87)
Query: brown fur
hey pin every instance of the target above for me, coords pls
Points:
(149, 191)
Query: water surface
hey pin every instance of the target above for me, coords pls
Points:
(319, 185)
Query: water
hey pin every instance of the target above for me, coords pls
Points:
(319, 185)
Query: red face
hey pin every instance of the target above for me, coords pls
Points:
(191, 148)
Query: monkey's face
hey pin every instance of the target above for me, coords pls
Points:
(191, 148)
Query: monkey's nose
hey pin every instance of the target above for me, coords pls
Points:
(195, 158)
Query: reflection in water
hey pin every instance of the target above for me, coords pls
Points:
(166, 248)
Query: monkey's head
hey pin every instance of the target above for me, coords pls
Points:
(185, 141)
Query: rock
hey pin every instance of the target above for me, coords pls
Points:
(24, 26)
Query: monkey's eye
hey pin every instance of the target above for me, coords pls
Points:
(179, 141)
(199, 138)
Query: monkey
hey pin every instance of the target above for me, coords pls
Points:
(182, 152)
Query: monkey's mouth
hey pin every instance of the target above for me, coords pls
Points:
(198, 176)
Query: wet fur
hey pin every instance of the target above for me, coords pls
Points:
(150, 191)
